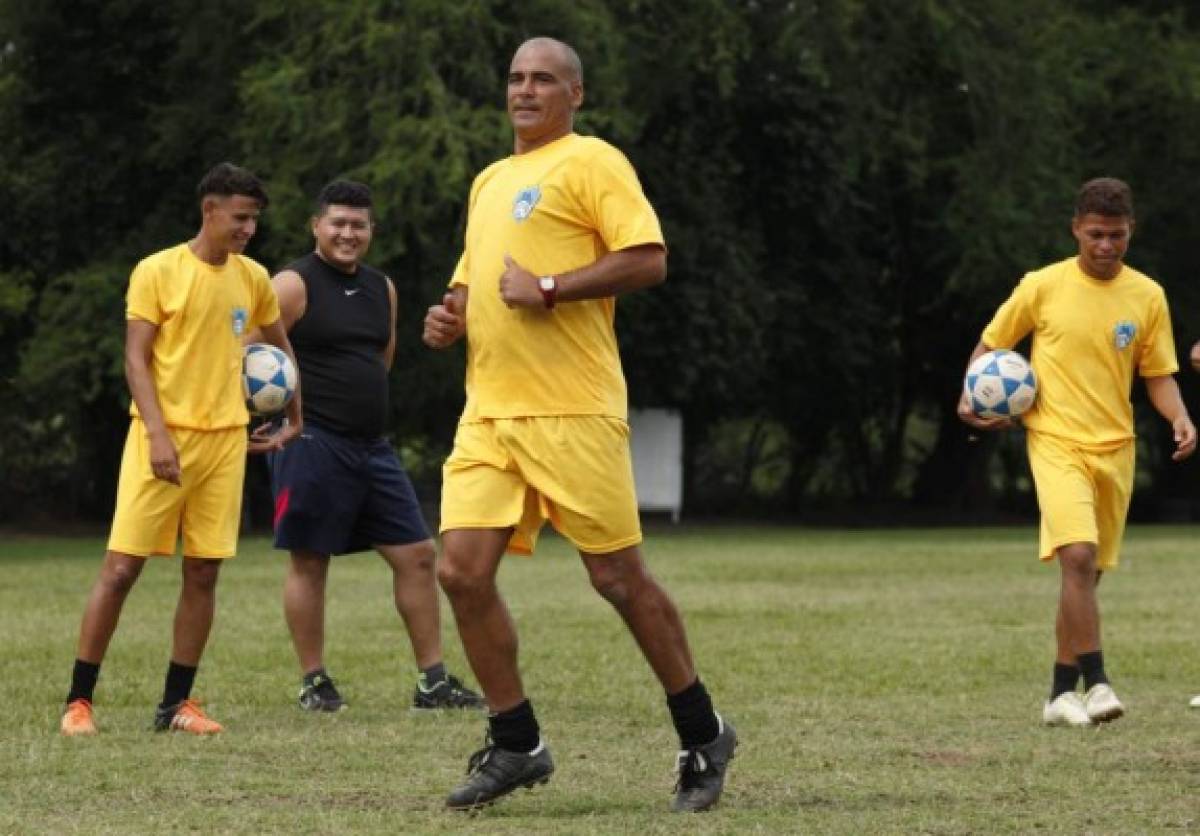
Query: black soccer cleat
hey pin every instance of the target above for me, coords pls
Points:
(702, 771)
(449, 693)
(493, 773)
(318, 693)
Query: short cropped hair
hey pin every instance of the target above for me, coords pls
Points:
(343, 193)
(1105, 196)
(227, 180)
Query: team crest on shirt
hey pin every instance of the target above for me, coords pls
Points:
(1123, 334)
(525, 201)
(240, 317)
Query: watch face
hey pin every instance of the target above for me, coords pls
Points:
(546, 283)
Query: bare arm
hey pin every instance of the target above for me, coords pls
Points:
(139, 355)
(447, 322)
(1164, 394)
(966, 414)
(389, 352)
(293, 302)
(612, 274)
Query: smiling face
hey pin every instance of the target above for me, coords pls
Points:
(1103, 241)
(343, 234)
(544, 91)
(230, 221)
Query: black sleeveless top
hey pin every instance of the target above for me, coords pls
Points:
(339, 343)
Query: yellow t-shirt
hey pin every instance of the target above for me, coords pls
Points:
(201, 312)
(1089, 336)
(554, 209)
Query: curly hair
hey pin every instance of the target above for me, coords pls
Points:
(343, 193)
(1105, 196)
(227, 180)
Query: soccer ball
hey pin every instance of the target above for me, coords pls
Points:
(1000, 384)
(268, 379)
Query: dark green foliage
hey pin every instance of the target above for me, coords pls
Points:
(848, 189)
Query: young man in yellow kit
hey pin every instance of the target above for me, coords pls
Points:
(554, 233)
(186, 311)
(1096, 322)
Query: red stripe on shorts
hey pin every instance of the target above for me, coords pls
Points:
(281, 505)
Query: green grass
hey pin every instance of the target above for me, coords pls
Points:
(881, 682)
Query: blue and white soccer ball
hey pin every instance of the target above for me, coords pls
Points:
(268, 379)
(1000, 384)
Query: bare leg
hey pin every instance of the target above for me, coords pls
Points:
(304, 607)
(625, 582)
(118, 574)
(194, 613)
(414, 587)
(467, 573)
(1077, 626)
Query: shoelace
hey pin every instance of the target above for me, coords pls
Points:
(478, 760)
(690, 766)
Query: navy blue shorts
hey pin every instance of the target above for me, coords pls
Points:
(336, 495)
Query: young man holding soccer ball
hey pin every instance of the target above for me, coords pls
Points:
(187, 309)
(1095, 322)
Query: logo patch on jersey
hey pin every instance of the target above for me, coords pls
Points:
(1123, 334)
(525, 201)
(240, 317)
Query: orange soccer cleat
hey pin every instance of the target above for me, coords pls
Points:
(77, 719)
(185, 717)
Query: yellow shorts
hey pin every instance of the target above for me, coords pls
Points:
(574, 470)
(207, 508)
(1083, 495)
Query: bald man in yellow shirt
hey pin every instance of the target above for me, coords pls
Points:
(1096, 323)
(554, 233)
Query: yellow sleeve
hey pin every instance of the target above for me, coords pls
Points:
(1014, 319)
(460, 277)
(141, 300)
(266, 303)
(618, 207)
(462, 272)
(1158, 357)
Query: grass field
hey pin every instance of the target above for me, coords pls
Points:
(881, 682)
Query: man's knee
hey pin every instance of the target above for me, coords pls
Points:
(200, 575)
(414, 558)
(120, 572)
(1078, 559)
(619, 580)
(459, 576)
(311, 565)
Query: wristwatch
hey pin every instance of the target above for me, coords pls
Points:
(548, 285)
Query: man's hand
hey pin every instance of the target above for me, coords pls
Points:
(1185, 434)
(164, 458)
(444, 323)
(271, 437)
(519, 287)
(968, 416)
(1195, 356)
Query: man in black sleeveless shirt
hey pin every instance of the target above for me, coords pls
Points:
(340, 487)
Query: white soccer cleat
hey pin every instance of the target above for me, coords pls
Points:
(1102, 704)
(1195, 702)
(1066, 710)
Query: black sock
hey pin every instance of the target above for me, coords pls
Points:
(516, 729)
(179, 684)
(83, 681)
(1091, 665)
(1066, 678)
(433, 674)
(693, 715)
